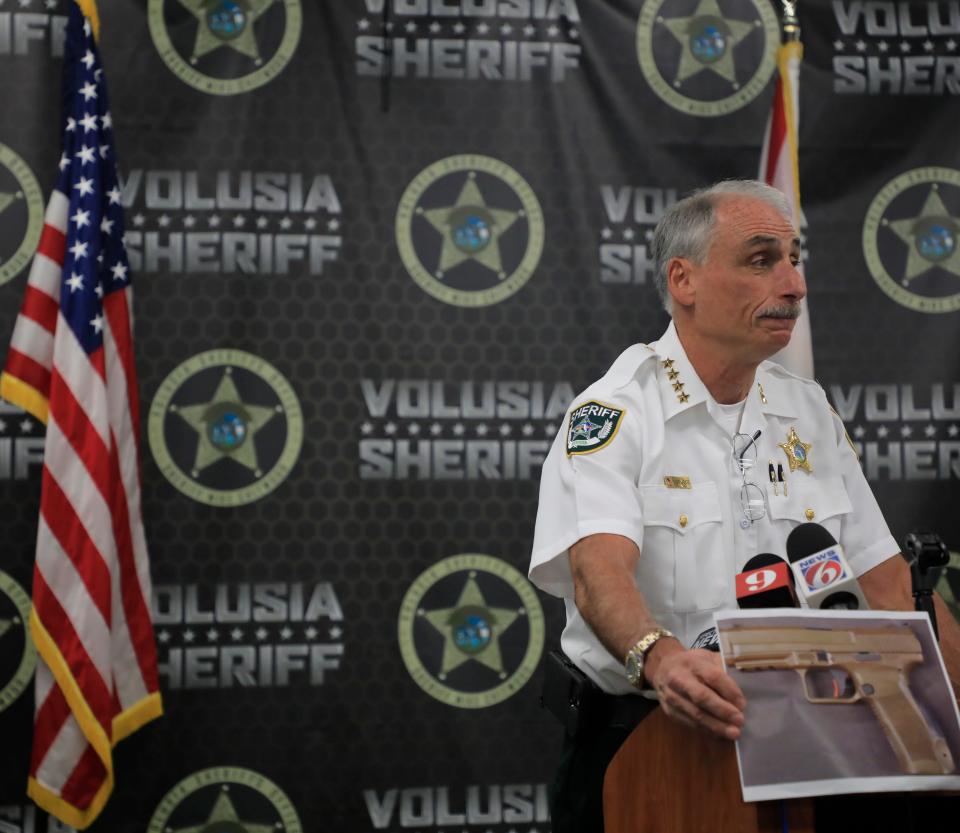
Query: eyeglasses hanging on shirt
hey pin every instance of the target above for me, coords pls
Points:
(751, 495)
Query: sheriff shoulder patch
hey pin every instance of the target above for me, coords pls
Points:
(592, 426)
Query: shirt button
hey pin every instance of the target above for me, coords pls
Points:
(683, 520)
(744, 523)
(810, 514)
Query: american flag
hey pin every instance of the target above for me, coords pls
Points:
(779, 167)
(71, 365)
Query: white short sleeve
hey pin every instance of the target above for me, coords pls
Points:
(584, 494)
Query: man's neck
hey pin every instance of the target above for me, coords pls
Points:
(727, 378)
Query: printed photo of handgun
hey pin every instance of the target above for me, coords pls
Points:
(876, 664)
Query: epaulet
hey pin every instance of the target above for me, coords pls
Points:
(628, 363)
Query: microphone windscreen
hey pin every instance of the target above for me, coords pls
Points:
(764, 559)
(824, 578)
(807, 539)
(766, 582)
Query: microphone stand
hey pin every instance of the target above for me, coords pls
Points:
(925, 552)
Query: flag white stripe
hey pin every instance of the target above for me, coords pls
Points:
(120, 421)
(82, 379)
(129, 682)
(126, 438)
(43, 683)
(45, 276)
(131, 687)
(32, 340)
(71, 592)
(89, 505)
(57, 209)
(62, 757)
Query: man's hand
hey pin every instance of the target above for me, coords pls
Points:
(694, 688)
(692, 685)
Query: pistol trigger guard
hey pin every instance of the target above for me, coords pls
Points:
(855, 697)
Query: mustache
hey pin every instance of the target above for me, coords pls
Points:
(781, 311)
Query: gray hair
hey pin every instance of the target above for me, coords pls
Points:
(686, 229)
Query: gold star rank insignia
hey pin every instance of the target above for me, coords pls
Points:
(797, 451)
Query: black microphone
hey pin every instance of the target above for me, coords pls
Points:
(823, 576)
(765, 582)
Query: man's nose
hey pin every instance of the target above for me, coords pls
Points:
(795, 285)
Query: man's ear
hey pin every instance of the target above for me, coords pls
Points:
(680, 283)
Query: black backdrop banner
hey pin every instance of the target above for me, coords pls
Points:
(402, 234)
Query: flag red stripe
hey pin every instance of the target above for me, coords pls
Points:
(53, 244)
(98, 364)
(72, 420)
(136, 608)
(61, 630)
(778, 132)
(22, 367)
(85, 780)
(41, 308)
(117, 310)
(63, 523)
(50, 719)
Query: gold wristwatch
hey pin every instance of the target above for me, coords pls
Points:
(638, 654)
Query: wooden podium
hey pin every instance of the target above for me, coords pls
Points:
(667, 778)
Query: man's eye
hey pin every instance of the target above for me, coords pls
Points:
(760, 261)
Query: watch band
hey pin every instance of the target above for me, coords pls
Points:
(637, 655)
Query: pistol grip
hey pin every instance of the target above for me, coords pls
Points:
(885, 690)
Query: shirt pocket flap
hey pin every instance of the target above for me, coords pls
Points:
(680, 509)
(809, 500)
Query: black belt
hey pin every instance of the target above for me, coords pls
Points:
(581, 705)
(625, 710)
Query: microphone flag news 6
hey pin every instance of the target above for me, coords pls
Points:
(823, 577)
(846, 701)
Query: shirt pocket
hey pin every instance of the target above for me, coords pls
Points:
(823, 501)
(681, 566)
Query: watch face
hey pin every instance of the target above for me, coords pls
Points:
(633, 666)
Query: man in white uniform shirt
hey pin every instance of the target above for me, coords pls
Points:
(689, 457)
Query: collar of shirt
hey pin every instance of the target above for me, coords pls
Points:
(681, 388)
